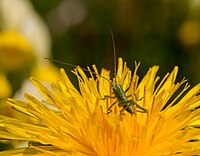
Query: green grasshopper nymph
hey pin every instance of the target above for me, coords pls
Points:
(119, 94)
(123, 100)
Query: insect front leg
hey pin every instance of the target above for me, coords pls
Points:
(111, 97)
(107, 96)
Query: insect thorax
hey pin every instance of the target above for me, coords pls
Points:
(119, 92)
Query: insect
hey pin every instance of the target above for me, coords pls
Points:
(123, 100)
(119, 94)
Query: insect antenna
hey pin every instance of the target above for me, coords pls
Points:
(71, 65)
(114, 53)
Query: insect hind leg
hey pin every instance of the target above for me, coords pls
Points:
(127, 105)
(142, 110)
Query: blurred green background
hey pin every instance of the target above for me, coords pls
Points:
(161, 32)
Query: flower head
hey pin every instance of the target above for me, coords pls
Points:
(76, 122)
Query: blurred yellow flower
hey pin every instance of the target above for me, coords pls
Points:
(80, 125)
(15, 51)
(5, 87)
(24, 42)
(23, 35)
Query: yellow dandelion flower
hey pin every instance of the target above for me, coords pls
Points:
(80, 123)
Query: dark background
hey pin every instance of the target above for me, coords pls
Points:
(154, 32)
